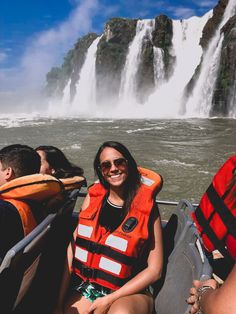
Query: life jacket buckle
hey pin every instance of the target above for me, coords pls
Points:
(87, 272)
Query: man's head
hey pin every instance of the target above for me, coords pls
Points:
(16, 161)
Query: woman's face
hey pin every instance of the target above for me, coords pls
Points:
(113, 166)
(45, 168)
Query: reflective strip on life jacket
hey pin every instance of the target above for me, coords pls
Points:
(81, 254)
(109, 265)
(85, 231)
(117, 242)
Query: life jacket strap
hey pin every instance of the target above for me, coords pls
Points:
(92, 273)
(222, 210)
(205, 224)
(94, 247)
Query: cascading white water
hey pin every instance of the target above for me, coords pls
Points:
(85, 98)
(158, 66)
(166, 100)
(128, 85)
(199, 104)
(66, 94)
(232, 107)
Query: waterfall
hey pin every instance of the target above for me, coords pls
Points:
(158, 66)
(166, 100)
(85, 98)
(199, 104)
(128, 85)
(232, 107)
(66, 94)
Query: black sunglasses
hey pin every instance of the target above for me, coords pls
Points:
(119, 163)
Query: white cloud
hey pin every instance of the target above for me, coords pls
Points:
(182, 12)
(206, 3)
(3, 56)
(47, 48)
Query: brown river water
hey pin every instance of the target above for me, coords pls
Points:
(187, 153)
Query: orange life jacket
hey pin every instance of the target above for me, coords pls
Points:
(72, 183)
(215, 217)
(108, 258)
(36, 187)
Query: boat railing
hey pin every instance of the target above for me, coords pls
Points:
(161, 202)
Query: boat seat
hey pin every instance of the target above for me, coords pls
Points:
(29, 269)
(184, 261)
(20, 264)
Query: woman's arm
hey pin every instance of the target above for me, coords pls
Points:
(143, 279)
(217, 301)
(65, 280)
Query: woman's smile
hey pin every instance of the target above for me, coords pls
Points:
(113, 166)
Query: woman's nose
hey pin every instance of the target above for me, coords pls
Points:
(113, 166)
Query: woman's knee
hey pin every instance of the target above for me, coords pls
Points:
(135, 304)
(118, 308)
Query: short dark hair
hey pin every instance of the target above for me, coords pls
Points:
(59, 162)
(23, 159)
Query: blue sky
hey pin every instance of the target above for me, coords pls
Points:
(36, 34)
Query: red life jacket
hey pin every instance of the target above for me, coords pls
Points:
(108, 258)
(215, 217)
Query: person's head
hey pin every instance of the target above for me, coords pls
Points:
(16, 161)
(54, 162)
(115, 166)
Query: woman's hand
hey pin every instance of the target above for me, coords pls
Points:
(194, 295)
(100, 305)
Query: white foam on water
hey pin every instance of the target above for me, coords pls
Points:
(145, 129)
(174, 162)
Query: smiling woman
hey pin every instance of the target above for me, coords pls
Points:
(118, 241)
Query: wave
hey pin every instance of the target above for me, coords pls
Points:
(145, 129)
(174, 162)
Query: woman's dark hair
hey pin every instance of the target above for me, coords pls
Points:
(59, 162)
(133, 180)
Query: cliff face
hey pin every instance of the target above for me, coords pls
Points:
(73, 61)
(111, 55)
(212, 24)
(161, 38)
(227, 71)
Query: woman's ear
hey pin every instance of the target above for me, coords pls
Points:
(53, 171)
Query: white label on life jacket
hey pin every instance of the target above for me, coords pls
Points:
(109, 265)
(85, 231)
(117, 242)
(147, 181)
(81, 254)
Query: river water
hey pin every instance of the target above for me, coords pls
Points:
(187, 153)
